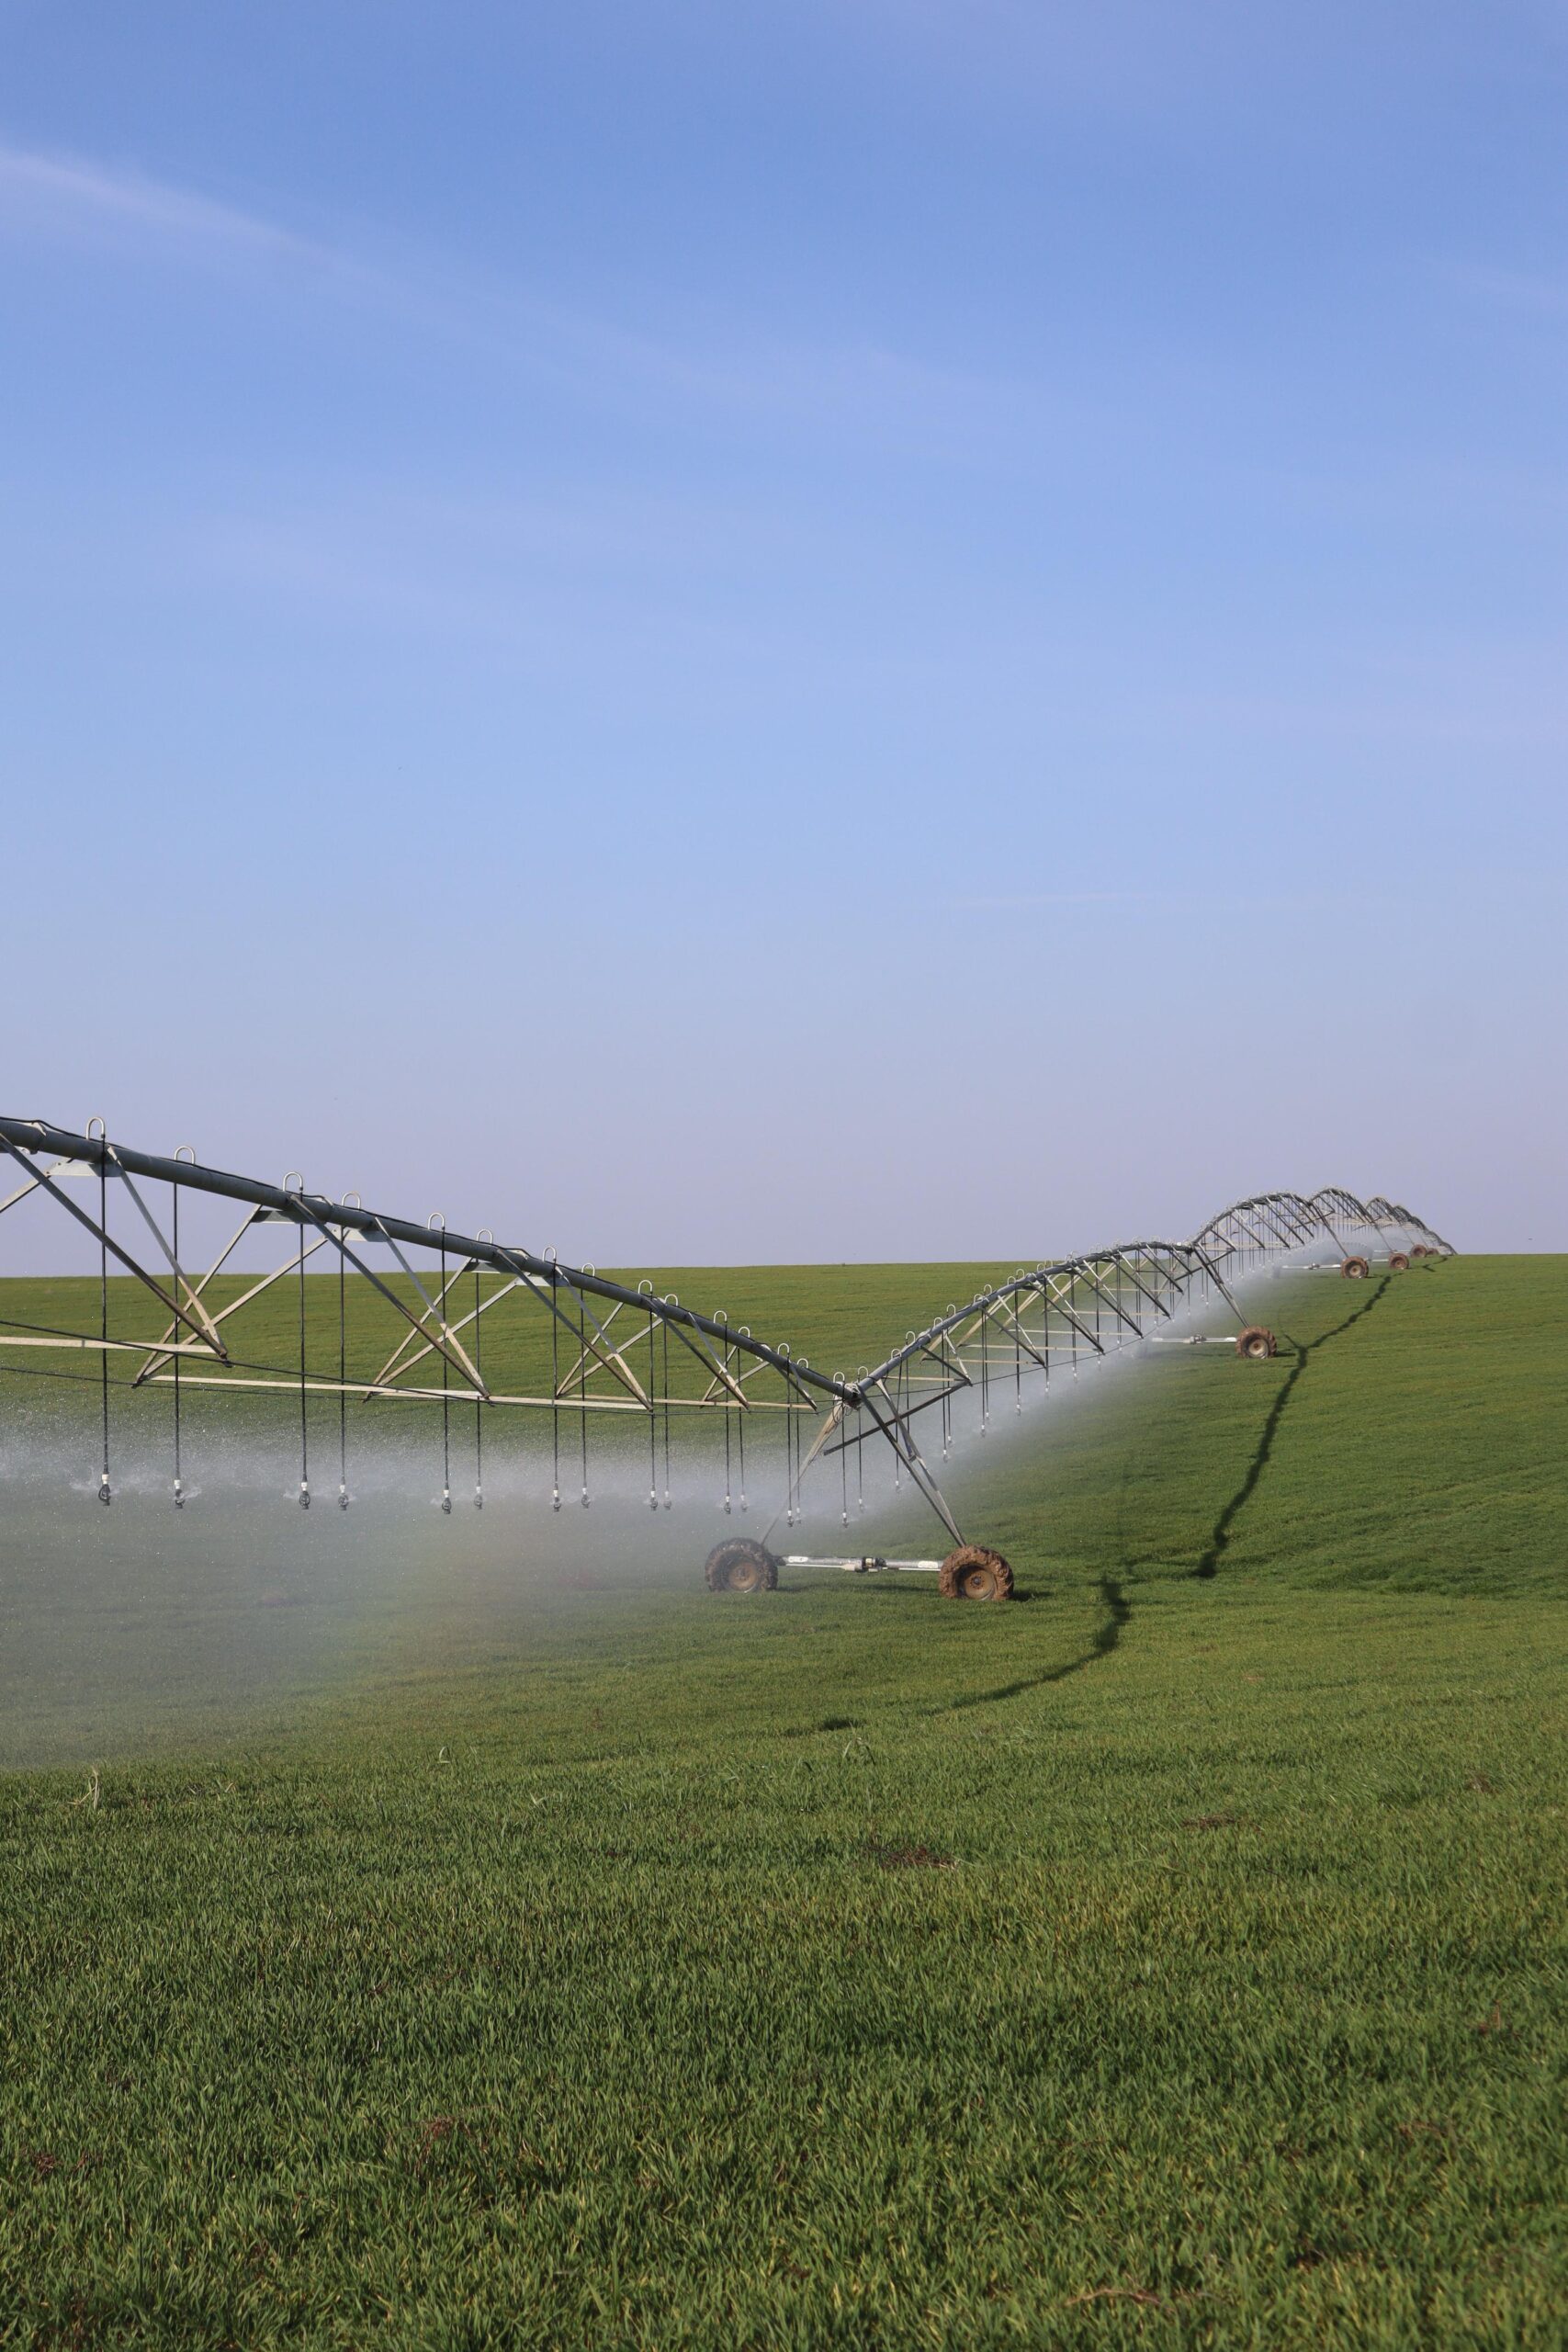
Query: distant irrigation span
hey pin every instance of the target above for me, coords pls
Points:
(416, 1315)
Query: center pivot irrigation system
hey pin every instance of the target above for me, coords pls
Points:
(417, 1315)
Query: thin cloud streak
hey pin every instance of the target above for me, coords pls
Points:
(1186, 901)
(54, 198)
(56, 192)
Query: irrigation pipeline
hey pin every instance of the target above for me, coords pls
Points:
(1070, 1311)
(27, 1139)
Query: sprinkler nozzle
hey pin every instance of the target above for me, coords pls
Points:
(342, 1499)
(555, 1498)
(179, 1496)
(446, 1500)
(304, 1495)
(478, 1499)
(105, 1492)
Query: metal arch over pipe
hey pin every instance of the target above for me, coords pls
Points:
(1087, 1306)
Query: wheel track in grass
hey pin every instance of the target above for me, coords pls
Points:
(1117, 1609)
(1106, 1636)
(1209, 1565)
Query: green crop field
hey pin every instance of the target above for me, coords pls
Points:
(1175, 1957)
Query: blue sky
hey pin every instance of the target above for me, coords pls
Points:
(847, 630)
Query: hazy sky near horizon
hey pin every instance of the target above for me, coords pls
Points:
(860, 629)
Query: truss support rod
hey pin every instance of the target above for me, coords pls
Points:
(289, 1266)
(383, 1378)
(208, 1329)
(609, 1359)
(458, 1360)
(1011, 1317)
(1209, 1267)
(1274, 1216)
(1057, 1298)
(1120, 1257)
(1111, 1298)
(898, 1437)
(159, 1354)
(20, 1193)
(450, 1348)
(111, 1245)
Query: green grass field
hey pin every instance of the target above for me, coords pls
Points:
(1175, 1958)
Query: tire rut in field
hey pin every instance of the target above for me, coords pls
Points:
(1220, 1535)
(1107, 1634)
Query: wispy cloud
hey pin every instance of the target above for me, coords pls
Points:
(722, 364)
(1189, 901)
(1073, 899)
(67, 196)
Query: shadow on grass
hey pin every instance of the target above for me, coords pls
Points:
(1107, 1634)
(1220, 1536)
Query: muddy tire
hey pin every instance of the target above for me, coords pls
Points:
(1421, 1251)
(1398, 1261)
(1256, 1343)
(973, 1573)
(1355, 1270)
(741, 1565)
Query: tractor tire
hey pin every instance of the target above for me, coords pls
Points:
(1256, 1343)
(1355, 1270)
(973, 1573)
(741, 1565)
(1398, 1263)
(1421, 1251)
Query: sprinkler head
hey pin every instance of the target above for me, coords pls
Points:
(342, 1499)
(585, 1499)
(179, 1496)
(652, 1498)
(304, 1495)
(446, 1500)
(555, 1498)
(478, 1499)
(105, 1493)
(726, 1506)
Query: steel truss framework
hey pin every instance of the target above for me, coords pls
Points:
(600, 1348)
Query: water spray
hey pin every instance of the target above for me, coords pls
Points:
(634, 1355)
